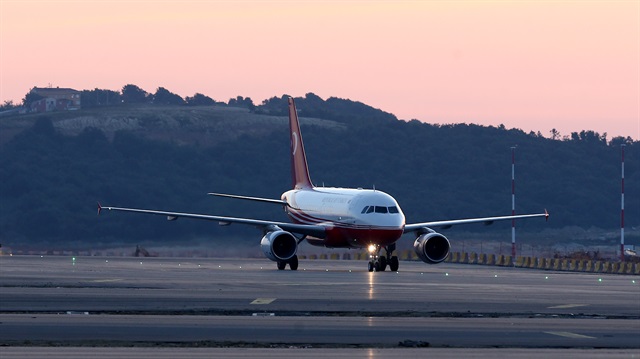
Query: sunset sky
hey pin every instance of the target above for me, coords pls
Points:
(533, 65)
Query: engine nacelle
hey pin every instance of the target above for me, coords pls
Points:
(279, 245)
(432, 248)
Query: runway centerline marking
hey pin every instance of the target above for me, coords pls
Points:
(571, 335)
(263, 300)
(106, 280)
(565, 306)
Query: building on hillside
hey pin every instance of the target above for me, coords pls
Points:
(55, 99)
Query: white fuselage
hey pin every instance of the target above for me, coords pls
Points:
(353, 217)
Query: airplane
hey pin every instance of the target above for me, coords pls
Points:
(335, 218)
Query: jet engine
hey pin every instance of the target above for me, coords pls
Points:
(432, 247)
(279, 245)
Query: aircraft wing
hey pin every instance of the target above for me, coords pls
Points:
(486, 220)
(305, 229)
(257, 199)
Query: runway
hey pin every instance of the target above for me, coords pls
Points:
(240, 303)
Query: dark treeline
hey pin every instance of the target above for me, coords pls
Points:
(50, 182)
(337, 109)
(311, 105)
(132, 94)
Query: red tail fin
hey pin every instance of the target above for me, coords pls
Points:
(299, 169)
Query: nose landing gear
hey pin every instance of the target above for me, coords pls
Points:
(379, 262)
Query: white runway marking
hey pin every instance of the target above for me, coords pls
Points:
(263, 300)
(565, 306)
(571, 335)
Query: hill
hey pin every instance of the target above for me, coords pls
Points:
(53, 168)
(201, 126)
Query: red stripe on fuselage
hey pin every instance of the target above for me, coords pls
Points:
(338, 237)
(347, 235)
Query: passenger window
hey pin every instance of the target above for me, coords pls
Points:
(370, 210)
(364, 210)
(393, 209)
(380, 209)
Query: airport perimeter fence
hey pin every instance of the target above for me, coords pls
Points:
(554, 264)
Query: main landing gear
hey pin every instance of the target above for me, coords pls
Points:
(293, 263)
(379, 262)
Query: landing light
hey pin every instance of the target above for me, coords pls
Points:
(372, 248)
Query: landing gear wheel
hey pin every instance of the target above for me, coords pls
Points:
(394, 264)
(382, 261)
(293, 263)
(370, 266)
(376, 266)
(282, 265)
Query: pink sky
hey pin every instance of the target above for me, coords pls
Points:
(534, 65)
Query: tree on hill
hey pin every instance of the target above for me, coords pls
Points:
(275, 106)
(314, 106)
(200, 100)
(619, 140)
(134, 94)
(590, 137)
(166, 97)
(240, 101)
(30, 98)
(8, 105)
(100, 97)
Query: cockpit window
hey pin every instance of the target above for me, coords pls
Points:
(380, 209)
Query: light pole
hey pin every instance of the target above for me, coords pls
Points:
(513, 203)
(622, 210)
